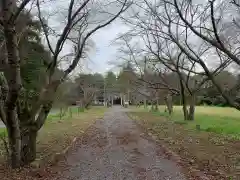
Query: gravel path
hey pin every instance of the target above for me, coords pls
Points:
(115, 148)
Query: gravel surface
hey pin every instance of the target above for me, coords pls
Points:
(115, 148)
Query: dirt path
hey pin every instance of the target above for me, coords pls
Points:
(115, 149)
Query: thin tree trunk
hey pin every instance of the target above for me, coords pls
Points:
(169, 105)
(70, 112)
(152, 105)
(145, 103)
(170, 109)
(156, 105)
(61, 113)
(183, 97)
(185, 111)
(191, 108)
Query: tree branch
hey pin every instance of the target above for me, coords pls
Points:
(212, 42)
(214, 24)
(14, 17)
(44, 27)
(83, 42)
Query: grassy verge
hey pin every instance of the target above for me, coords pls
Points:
(210, 150)
(219, 120)
(57, 134)
(2, 132)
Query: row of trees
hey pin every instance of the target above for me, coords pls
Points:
(190, 49)
(30, 74)
(86, 87)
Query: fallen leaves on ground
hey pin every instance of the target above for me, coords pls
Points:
(211, 153)
(54, 137)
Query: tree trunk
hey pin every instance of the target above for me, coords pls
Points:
(29, 137)
(183, 98)
(169, 105)
(156, 105)
(14, 83)
(152, 106)
(61, 113)
(14, 140)
(28, 147)
(185, 111)
(29, 134)
(70, 112)
(191, 111)
(170, 109)
(145, 103)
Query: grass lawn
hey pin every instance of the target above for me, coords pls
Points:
(221, 120)
(57, 134)
(215, 148)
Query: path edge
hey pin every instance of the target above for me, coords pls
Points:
(40, 164)
(195, 173)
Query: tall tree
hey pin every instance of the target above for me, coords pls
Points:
(110, 82)
(80, 24)
(214, 23)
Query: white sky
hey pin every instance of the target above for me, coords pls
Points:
(102, 52)
(100, 60)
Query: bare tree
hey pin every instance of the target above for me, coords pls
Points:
(216, 27)
(172, 45)
(78, 28)
(87, 88)
(11, 81)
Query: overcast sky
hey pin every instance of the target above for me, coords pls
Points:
(103, 51)
(101, 60)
